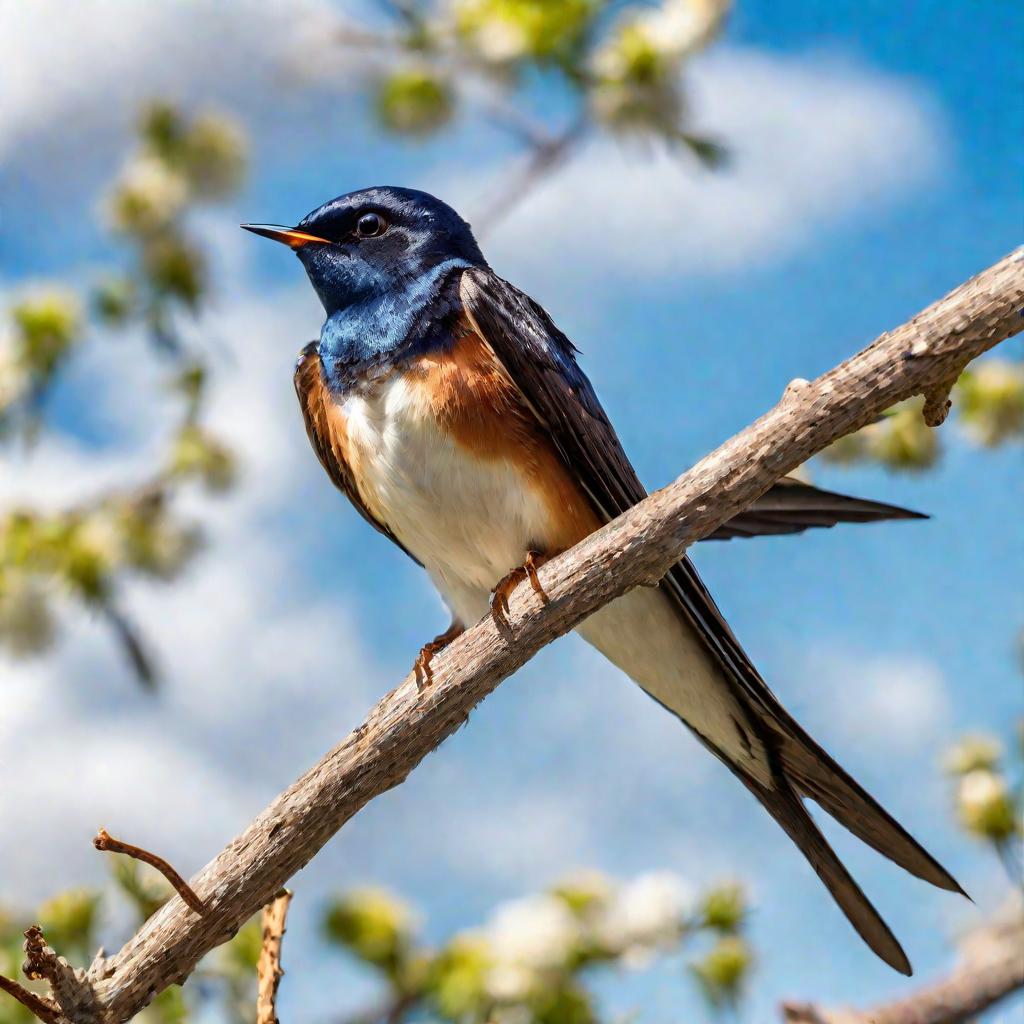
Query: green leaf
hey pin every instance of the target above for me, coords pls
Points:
(372, 924)
(414, 101)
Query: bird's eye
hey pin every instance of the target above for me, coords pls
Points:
(370, 224)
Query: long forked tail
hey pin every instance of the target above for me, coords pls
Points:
(786, 807)
(813, 773)
(804, 769)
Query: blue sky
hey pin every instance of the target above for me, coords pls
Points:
(878, 162)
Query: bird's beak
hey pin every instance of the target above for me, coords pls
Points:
(293, 237)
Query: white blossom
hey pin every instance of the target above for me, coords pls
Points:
(980, 789)
(497, 38)
(671, 32)
(99, 533)
(973, 752)
(647, 912)
(681, 27)
(509, 982)
(538, 932)
(148, 195)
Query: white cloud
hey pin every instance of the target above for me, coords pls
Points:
(86, 65)
(814, 140)
(892, 705)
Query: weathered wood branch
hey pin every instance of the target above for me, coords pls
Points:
(634, 550)
(991, 969)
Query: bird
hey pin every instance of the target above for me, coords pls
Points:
(453, 414)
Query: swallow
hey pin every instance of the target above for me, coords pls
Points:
(452, 413)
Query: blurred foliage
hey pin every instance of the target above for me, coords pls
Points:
(900, 440)
(414, 101)
(224, 985)
(991, 401)
(988, 410)
(42, 331)
(180, 164)
(989, 796)
(84, 552)
(533, 959)
(622, 63)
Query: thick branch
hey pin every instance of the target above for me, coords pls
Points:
(636, 549)
(992, 969)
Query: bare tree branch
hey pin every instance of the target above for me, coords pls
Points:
(268, 970)
(635, 550)
(992, 968)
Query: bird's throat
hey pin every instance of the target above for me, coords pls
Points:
(383, 328)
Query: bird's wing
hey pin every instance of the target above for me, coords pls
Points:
(323, 432)
(791, 506)
(541, 362)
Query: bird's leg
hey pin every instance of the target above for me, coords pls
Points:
(505, 586)
(424, 674)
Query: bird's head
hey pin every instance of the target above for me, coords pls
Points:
(368, 243)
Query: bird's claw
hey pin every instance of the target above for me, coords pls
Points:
(421, 666)
(504, 587)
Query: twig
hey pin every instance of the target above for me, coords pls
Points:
(544, 157)
(637, 548)
(45, 1009)
(106, 842)
(993, 972)
(268, 969)
(133, 644)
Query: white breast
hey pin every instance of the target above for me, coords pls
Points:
(468, 521)
(471, 521)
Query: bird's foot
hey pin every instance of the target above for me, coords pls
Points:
(505, 586)
(421, 666)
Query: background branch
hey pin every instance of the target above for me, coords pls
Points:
(636, 549)
(268, 970)
(991, 969)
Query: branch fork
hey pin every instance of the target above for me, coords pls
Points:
(72, 989)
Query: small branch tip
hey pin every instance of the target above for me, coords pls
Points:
(937, 402)
(105, 842)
